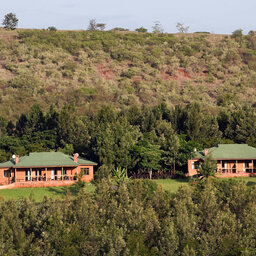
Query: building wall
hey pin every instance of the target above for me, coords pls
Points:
(192, 172)
(38, 184)
(86, 178)
(5, 180)
(231, 165)
(21, 173)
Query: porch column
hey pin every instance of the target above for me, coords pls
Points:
(45, 174)
(61, 173)
(236, 166)
(252, 166)
(31, 177)
(15, 175)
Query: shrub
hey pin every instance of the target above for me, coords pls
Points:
(141, 30)
(25, 81)
(52, 29)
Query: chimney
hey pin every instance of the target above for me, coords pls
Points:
(206, 151)
(76, 157)
(17, 158)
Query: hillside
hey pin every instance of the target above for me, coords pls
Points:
(90, 69)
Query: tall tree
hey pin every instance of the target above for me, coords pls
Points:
(181, 28)
(157, 28)
(92, 25)
(208, 167)
(169, 143)
(10, 21)
(147, 155)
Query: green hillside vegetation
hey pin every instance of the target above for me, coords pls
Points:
(139, 101)
(92, 68)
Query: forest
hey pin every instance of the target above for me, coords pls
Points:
(212, 217)
(158, 138)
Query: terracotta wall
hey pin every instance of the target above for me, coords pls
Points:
(5, 180)
(21, 173)
(86, 178)
(238, 165)
(38, 184)
(191, 171)
(230, 175)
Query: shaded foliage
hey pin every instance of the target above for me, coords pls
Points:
(141, 140)
(214, 217)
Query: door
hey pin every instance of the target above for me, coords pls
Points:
(52, 175)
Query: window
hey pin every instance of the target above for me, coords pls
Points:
(38, 172)
(85, 171)
(7, 173)
(195, 165)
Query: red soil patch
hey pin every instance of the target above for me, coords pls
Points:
(181, 75)
(184, 73)
(106, 72)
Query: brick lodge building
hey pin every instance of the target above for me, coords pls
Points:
(42, 169)
(233, 160)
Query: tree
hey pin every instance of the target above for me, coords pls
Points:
(141, 29)
(208, 167)
(148, 156)
(10, 21)
(101, 26)
(181, 28)
(157, 28)
(237, 34)
(169, 143)
(92, 25)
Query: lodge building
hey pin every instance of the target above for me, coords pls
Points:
(233, 160)
(45, 169)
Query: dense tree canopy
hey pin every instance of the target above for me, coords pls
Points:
(159, 139)
(214, 217)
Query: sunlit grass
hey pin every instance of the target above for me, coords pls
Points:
(39, 193)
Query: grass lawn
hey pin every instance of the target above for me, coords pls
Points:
(39, 193)
(171, 185)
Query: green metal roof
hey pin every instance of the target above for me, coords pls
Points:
(229, 151)
(45, 159)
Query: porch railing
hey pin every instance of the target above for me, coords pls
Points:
(49, 178)
(235, 170)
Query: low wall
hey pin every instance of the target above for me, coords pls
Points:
(38, 184)
(231, 175)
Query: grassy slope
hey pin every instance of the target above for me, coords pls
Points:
(90, 69)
